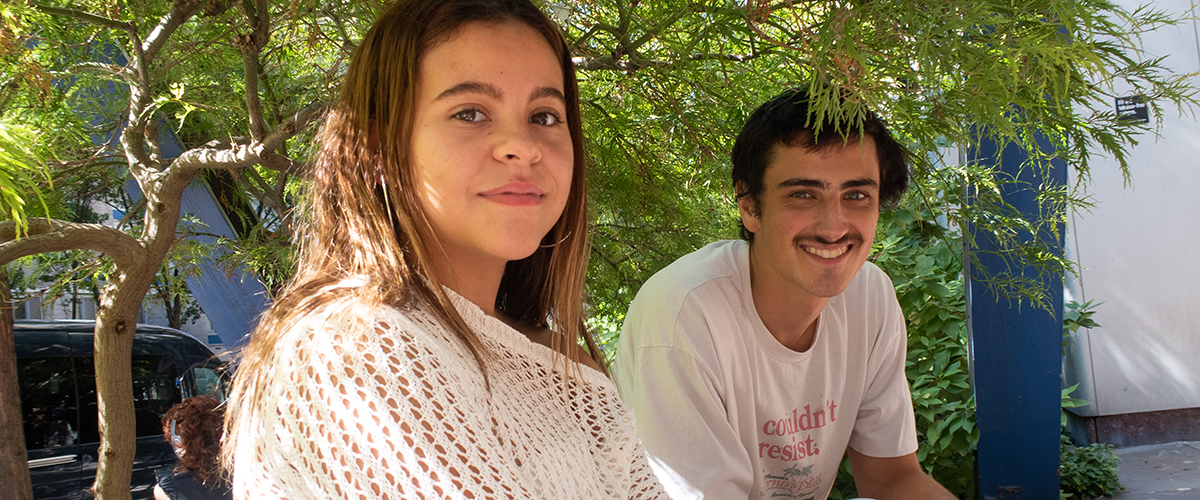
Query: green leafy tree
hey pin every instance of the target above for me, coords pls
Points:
(235, 81)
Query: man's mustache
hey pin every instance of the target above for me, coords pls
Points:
(849, 238)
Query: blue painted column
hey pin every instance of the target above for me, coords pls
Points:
(1016, 353)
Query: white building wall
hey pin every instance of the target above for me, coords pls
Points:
(1139, 249)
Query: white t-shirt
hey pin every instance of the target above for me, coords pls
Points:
(726, 411)
(379, 402)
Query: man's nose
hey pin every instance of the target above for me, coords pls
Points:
(831, 224)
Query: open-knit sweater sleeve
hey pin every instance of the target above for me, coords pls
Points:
(386, 403)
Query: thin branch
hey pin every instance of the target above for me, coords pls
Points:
(651, 34)
(251, 46)
(47, 235)
(264, 195)
(608, 62)
(85, 17)
(91, 67)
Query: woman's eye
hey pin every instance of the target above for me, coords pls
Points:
(470, 115)
(546, 118)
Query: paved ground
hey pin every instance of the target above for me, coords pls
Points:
(1160, 472)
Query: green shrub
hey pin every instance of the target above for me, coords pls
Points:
(1088, 472)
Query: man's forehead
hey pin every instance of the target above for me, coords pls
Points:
(833, 163)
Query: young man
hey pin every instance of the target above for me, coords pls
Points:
(754, 365)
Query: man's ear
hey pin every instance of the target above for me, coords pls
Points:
(747, 208)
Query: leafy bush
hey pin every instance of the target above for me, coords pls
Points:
(1088, 472)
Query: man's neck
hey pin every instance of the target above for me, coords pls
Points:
(790, 314)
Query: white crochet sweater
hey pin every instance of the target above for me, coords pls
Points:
(387, 403)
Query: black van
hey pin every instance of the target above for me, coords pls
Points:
(58, 400)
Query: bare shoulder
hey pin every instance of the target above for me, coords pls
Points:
(545, 337)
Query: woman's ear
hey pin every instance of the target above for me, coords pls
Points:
(373, 136)
(373, 151)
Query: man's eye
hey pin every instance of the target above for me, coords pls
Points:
(802, 194)
(470, 115)
(857, 195)
(546, 118)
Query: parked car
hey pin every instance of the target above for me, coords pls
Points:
(56, 373)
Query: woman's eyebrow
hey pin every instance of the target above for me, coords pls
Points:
(550, 92)
(494, 92)
(472, 88)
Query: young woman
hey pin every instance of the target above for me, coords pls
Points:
(444, 252)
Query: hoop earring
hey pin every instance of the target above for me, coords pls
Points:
(564, 238)
(387, 203)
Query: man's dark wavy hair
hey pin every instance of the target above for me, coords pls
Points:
(784, 121)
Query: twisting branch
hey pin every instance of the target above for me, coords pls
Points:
(46, 235)
(139, 131)
(151, 135)
(238, 156)
(227, 156)
(181, 11)
(293, 125)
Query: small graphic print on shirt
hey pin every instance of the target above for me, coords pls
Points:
(793, 483)
(788, 440)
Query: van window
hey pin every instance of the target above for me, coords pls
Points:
(210, 383)
(154, 392)
(48, 400)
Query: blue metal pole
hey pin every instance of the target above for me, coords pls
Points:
(1016, 351)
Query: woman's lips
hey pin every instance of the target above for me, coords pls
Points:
(515, 194)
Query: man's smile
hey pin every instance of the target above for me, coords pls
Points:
(827, 253)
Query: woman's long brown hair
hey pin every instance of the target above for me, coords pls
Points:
(365, 221)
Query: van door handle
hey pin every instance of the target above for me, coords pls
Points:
(52, 461)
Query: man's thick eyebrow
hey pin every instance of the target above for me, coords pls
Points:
(813, 183)
(860, 183)
(803, 182)
(492, 91)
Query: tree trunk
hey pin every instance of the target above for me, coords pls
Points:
(116, 322)
(175, 312)
(14, 469)
(174, 304)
